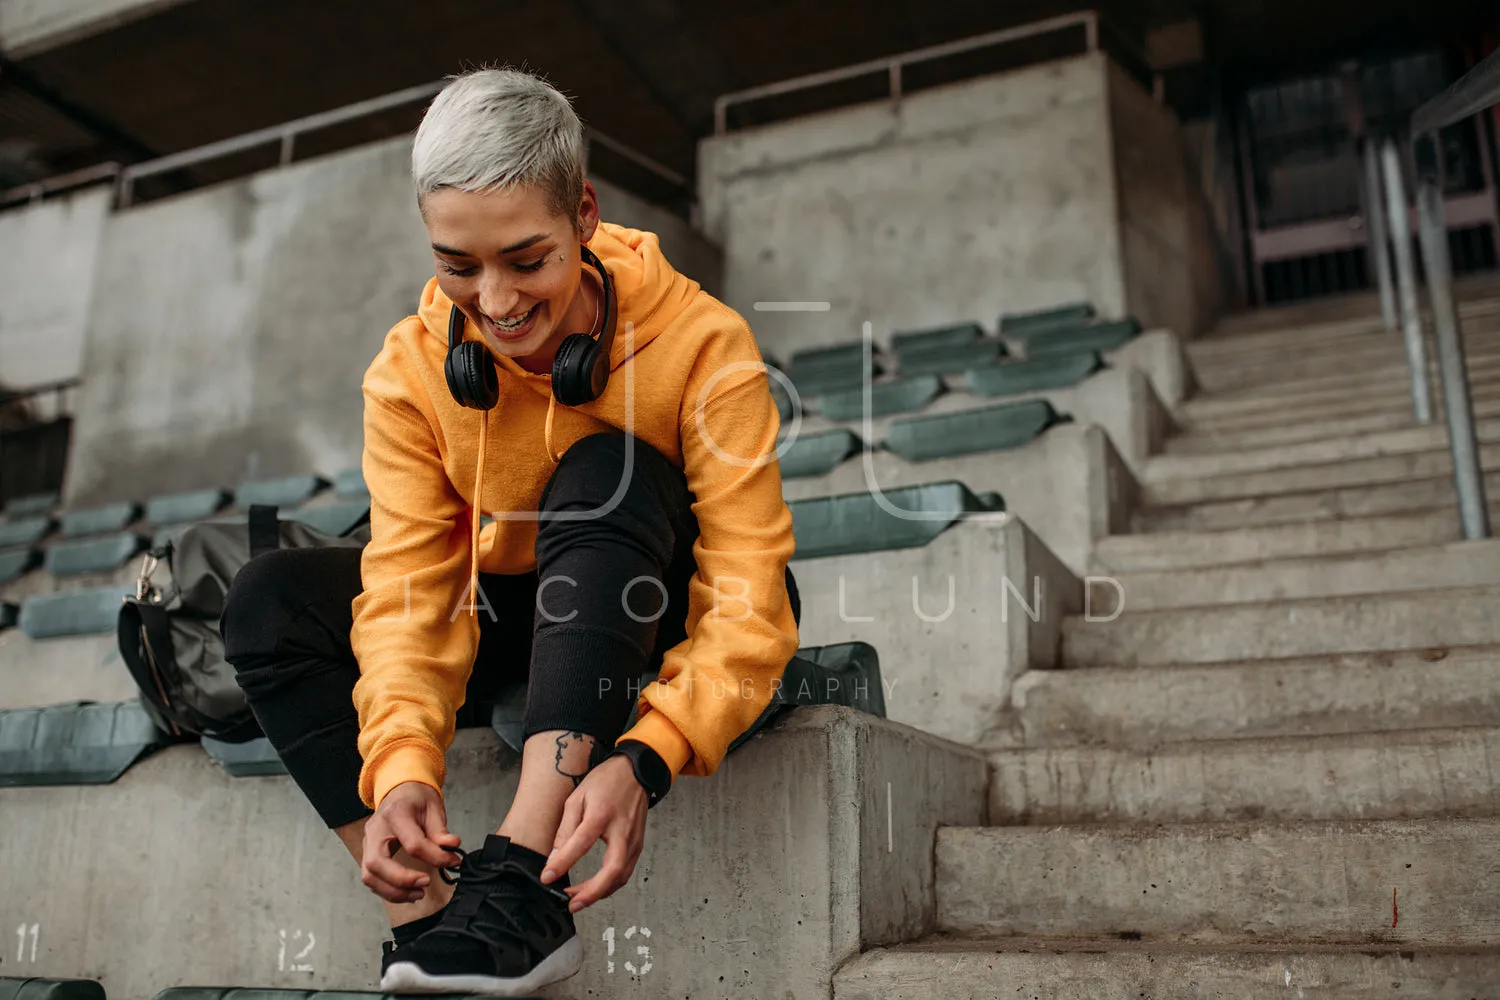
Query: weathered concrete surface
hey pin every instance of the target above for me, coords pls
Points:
(1166, 550)
(1398, 775)
(37, 672)
(1110, 969)
(1070, 486)
(1333, 409)
(1433, 496)
(955, 622)
(31, 26)
(959, 203)
(759, 881)
(1458, 616)
(1205, 442)
(44, 309)
(1457, 564)
(1309, 882)
(234, 324)
(1350, 693)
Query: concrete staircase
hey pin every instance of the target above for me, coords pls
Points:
(1266, 770)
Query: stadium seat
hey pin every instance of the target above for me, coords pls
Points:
(332, 518)
(31, 506)
(93, 555)
(1051, 371)
(828, 369)
(860, 522)
(898, 395)
(81, 612)
(284, 491)
(351, 483)
(936, 338)
(16, 563)
(990, 428)
(192, 505)
(75, 744)
(819, 454)
(1096, 337)
(952, 359)
(254, 759)
(24, 530)
(98, 520)
(1021, 324)
(49, 989)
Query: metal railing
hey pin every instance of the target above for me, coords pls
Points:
(1090, 21)
(285, 137)
(1476, 91)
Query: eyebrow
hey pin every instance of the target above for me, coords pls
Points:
(520, 245)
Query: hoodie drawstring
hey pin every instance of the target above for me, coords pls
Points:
(547, 436)
(484, 426)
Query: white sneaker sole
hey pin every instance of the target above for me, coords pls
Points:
(408, 977)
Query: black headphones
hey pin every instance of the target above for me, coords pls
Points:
(580, 370)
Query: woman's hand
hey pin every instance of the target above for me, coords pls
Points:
(410, 817)
(608, 803)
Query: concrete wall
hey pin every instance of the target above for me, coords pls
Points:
(46, 281)
(29, 26)
(234, 324)
(1169, 254)
(958, 203)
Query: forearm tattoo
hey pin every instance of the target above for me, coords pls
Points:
(579, 769)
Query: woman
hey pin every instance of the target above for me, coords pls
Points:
(638, 529)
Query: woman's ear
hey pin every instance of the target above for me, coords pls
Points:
(588, 213)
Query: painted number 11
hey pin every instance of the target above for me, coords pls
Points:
(35, 931)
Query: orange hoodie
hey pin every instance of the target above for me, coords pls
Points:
(691, 367)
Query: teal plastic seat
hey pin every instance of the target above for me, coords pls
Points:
(333, 518)
(1050, 371)
(93, 555)
(49, 989)
(32, 505)
(819, 454)
(254, 759)
(191, 505)
(285, 491)
(829, 369)
(936, 338)
(953, 359)
(1101, 337)
(99, 520)
(898, 395)
(835, 355)
(858, 522)
(1072, 314)
(24, 530)
(80, 743)
(16, 563)
(990, 428)
(81, 612)
(351, 483)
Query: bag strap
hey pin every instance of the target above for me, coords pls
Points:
(265, 529)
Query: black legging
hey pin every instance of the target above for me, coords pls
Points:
(287, 619)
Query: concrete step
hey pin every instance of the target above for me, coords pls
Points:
(1178, 550)
(1459, 616)
(1434, 496)
(1386, 383)
(1275, 329)
(1319, 369)
(1457, 564)
(1321, 695)
(1402, 441)
(1331, 407)
(1396, 775)
(1353, 472)
(1107, 968)
(179, 874)
(1201, 443)
(1417, 882)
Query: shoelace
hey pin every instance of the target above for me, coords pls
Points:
(474, 873)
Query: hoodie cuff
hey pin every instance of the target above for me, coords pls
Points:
(657, 732)
(409, 761)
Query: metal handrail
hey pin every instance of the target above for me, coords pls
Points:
(1472, 93)
(37, 190)
(1089, 20)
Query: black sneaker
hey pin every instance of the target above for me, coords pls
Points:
(503, 933)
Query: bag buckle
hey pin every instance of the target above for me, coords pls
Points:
(145, 590)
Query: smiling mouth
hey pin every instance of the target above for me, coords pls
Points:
(509, 329)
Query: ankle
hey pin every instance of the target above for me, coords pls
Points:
(432, 901)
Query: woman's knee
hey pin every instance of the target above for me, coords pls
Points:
(624, 488)
(285, 591)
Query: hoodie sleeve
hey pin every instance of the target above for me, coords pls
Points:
(741, 631)
(415, 651)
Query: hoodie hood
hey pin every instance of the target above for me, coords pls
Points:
(649, 294)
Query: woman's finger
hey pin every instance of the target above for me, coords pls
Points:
(563, 858)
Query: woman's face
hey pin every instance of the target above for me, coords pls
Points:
(497, 258)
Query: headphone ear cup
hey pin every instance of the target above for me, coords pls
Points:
(575, 370)
(471, 376)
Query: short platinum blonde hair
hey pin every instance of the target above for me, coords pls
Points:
(498, 128)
